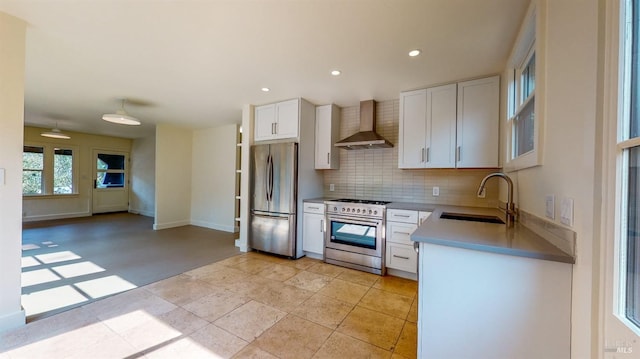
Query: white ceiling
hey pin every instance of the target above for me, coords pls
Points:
(195, 63)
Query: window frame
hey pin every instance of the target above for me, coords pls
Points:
(42, 176)
(616, 145)
(48, 169)
(527, 45)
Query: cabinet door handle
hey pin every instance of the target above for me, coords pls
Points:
(328, 161)
(423, 155)
(314, 207)
(401, 257)
(458, 154)
(273, 124)
(321, 225)
(407, 233)
(428, 157)
(402, 215)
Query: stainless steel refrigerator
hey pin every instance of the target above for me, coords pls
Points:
(272, 226)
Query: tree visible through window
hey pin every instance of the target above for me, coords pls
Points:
(32, 167)
(47, 170)
(62, 171)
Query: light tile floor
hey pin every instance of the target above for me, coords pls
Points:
(248, 306)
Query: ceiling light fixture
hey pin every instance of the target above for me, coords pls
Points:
(121, 117)
(55, 133)
(265, 89)
(414, 53)
(336, 72)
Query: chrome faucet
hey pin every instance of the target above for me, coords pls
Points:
(511, 208)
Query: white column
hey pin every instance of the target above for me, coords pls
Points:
(12, 64)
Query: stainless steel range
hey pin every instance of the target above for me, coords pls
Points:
(355, 234)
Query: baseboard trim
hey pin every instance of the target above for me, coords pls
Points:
(158, 226)
(47, 217)
(12, 320)
(314, 255)
(402, 274)
(143, 213)
(210, 225)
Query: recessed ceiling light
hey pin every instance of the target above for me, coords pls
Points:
(336, 72)
(414, 53)
(265, 89)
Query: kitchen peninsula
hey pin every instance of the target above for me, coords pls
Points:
(492, 289)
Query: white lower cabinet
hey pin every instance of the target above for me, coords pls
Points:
(400, 253)
(313, 229)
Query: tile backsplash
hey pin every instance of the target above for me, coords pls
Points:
(374, 173)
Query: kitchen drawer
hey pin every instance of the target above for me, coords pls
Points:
(402, 257)
(400, 232)
(314, 207)
(402, 215)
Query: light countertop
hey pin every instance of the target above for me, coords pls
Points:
(497, 238)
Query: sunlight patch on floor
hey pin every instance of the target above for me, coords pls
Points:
(102, 287)
(56, 257)
(77, 269)
(38, 276)
(29, 262)
(50, 299)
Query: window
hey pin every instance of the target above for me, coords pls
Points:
(62, 171)
(523, 139)
(629, 169)
(110, 170)
(48, 170)
(32, 167)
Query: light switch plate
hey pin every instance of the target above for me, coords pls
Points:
(566, 211)
(332, 187)
(436, 191)
(550, 206)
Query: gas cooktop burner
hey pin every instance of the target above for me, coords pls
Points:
(361, 201)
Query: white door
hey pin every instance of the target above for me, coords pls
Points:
(265, 119)
(110, 181)
(323, 137)
(313, 233)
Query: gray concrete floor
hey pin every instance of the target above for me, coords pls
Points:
(71, 262)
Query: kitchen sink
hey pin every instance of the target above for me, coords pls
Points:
(471, 217)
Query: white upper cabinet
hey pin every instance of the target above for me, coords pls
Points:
(277, 121)
(428, 128)
(441, 127)
(450, 126)
(413, 129)
(327, 132)
(478, 124)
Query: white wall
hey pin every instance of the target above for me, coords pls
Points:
(173, 176)
(213, 181)
(38, 208)
(12, 55)
(143, 176)
(569, 73)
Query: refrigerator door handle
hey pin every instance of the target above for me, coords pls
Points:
(268, 178)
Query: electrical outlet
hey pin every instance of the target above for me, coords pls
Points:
(436, 191)
(566, 211)
(483, 194)
(332, 187)
(550, 206)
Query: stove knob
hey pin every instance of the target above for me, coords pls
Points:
(358, 210)
(375, 213)
(335, 209)
(343, 209)
(348, 209)
(370, 211)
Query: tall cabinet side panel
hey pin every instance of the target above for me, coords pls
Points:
(310, 181)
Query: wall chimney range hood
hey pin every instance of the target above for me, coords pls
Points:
(367, 136)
